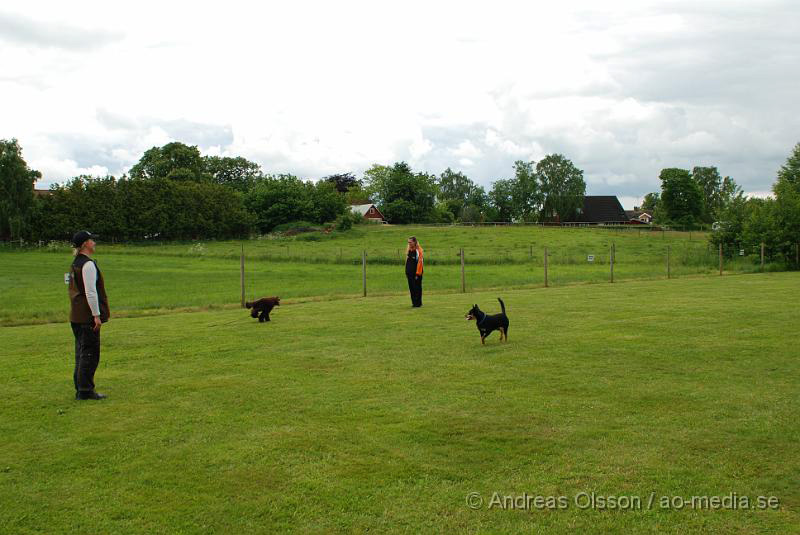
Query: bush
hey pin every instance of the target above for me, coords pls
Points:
(346, 221)
(275, 201)
(134, 209)
(295, 225)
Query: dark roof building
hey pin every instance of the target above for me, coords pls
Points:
(601, 209)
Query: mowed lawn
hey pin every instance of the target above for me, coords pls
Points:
(365, 415)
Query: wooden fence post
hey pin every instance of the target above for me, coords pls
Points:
(463, 280)
(241, 273)
(545, 267)
(668, 274)
(797, 254)
(612, 262)
(762, 257)
(720, 259)
(364, 270)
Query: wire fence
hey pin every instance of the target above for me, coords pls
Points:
(197, 274)
(379, 271)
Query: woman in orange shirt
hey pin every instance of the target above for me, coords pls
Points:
(414, 271)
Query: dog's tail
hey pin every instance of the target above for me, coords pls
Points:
(502, 306)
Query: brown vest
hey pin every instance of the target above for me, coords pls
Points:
(79, 311)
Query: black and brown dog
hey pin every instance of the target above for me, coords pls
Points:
(486, 323)
(262, 307)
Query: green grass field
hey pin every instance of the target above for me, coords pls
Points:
(148, 279)
(364, 415)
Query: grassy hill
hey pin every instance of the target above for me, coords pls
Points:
(366, 415)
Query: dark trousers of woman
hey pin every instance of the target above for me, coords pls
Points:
(87, 357)
(415, 288)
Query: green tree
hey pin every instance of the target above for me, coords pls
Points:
(681, 198)
(375, 180)
(501, 200)
(357, 195)
(174, 161)
(147, 212)
(275, 200)
(138, 209)
(407, 197)
(477, 205)
(761, 226)
(327, 202)
(732, 220)
(709, 181)
(775, 222)
(454, 188)
(460, 196)
(16, 189)
(789, 173)
(343, 182)
(562, 186)
(728, 192)
(203, 210)
(102, 208)
(717, 191)
(236, 173)
(787, 204)
(526, 195)
(650, 202)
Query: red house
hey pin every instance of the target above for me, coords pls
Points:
(368, 211)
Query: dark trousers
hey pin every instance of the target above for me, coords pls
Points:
(415, 289)
(87, 356)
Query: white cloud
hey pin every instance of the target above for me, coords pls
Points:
(623, 89)
(466, 149)
(52, 167)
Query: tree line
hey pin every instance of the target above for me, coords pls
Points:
(174, 192)
(746, 222)
(550, 190)
(699, 197)
(690, 199)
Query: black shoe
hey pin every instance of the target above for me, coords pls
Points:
(89, 395)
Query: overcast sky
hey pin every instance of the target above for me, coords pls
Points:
(623, 89)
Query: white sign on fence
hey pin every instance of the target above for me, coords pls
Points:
(741, 252)
(590, 258)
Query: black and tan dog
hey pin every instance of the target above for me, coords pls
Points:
(486, 323)
(262, 307)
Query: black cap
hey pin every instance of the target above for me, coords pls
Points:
(80, 237)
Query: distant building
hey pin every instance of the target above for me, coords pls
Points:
(42, 192)
(601, 210)
(637, 215)
(368, 211)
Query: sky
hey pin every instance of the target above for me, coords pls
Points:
(622, 89)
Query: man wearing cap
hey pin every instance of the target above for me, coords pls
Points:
(88, 311)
